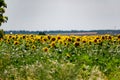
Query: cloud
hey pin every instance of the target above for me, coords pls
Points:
(62, 14)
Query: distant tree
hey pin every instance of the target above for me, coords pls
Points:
(3, 18)
(41, 33)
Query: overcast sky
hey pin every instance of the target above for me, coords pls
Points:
(62, 14)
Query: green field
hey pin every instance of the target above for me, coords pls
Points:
(59, 57)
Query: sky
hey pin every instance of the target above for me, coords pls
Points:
(40, 15)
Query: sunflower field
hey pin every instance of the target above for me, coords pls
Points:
(59, 57)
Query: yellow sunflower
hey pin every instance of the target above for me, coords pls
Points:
(33, 47)
(76, 44)
(45, 49)
(52, 44)
(16, 42)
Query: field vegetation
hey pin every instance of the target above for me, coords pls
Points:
(59, 57)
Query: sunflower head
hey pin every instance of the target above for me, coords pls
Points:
(31, 35)
(69, 39)
(44, 39)
(16, 42)
(109, 37)
(84, 41)
(95, 41)
(33, 47)
(103, 37)
(78, 39)
(45, 49)
(49, 37)
(53, 39)
(60, 41)
(52, 44)
(118, 36)
(76, 44)
(23, 36)
(9, 36)
(58, 37)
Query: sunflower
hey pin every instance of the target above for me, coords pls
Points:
(31, 35)
(109, 38)
(9, 36)
(84, 41)
(23, 37)
(16, 42)
(76, 44)
(78, 39)
(13, 37)
(103, 37)
(53, 39)
(48, 37)
(7, 41)
(95, 41)
(60, 41)
(69, 39)
(45, 49)
(44, 39)
(118, 36)
(52, 44)
(58, 37)
(33, 47)
(90, 42)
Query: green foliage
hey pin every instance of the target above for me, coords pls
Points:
(1, 33)
(3, 18)
(41, 33)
